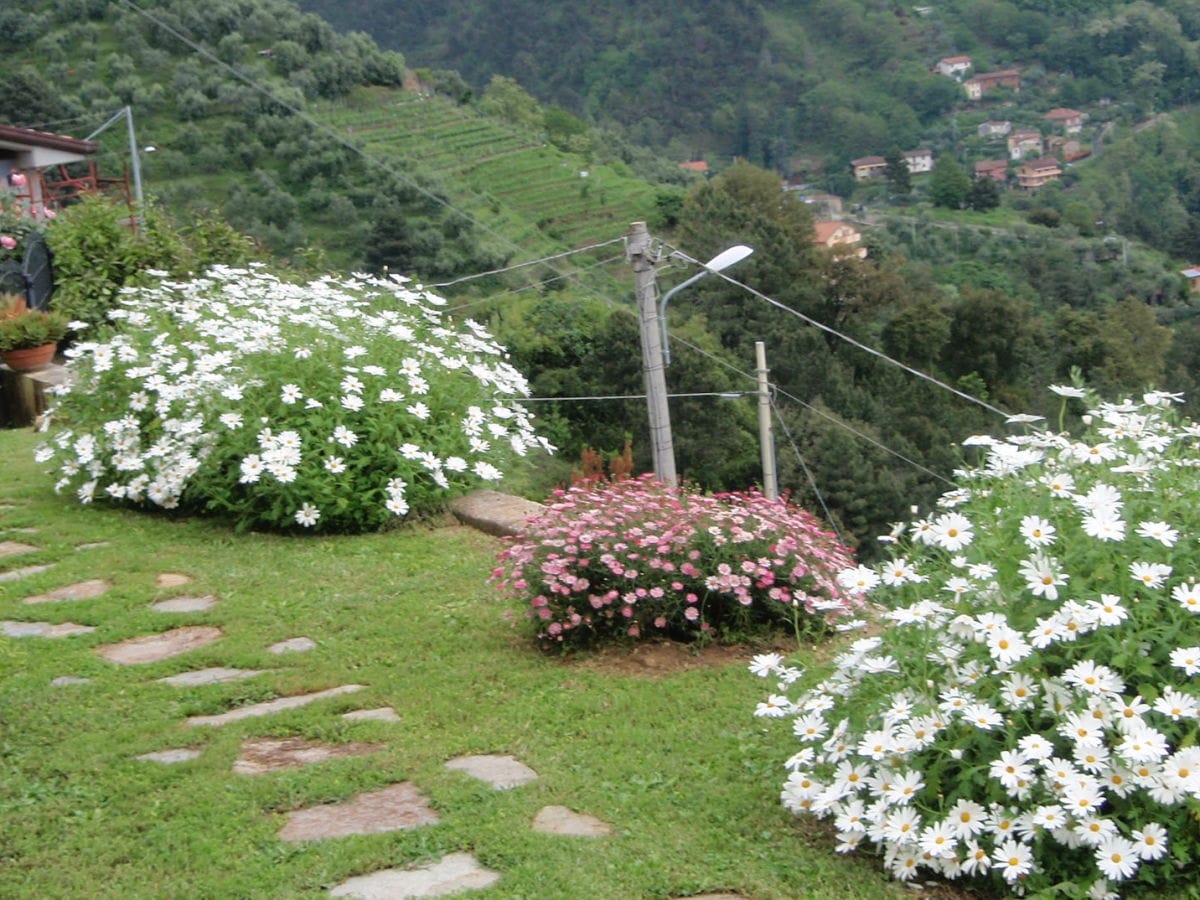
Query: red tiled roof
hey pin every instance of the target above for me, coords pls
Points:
(954, 60)
(868, 161)
(1062, 113)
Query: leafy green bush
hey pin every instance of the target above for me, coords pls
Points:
(32, 328)
(334, 405)
(1027, 714)
(96, 253)
(625, 559)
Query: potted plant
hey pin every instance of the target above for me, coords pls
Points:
(28, 337)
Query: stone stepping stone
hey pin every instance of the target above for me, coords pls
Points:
(293, 645)
(15, 574)
(185, 604)
(382, 714)
(452, 874)
(64, 680)
(153, 647)
(94, 545)
(43, 629)
(712, 897)
(272, 706)
(215, 675)
(83, 590)
(501, 772)
(261, 755)
(561, 820)
(15, 548)
(395, 808)
(170, 757)
(172, 579)
(19, 530)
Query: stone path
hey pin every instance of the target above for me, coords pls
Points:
(400, 806)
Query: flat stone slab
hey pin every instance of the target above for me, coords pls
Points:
(172, 579)
(293, 645)
(260, 755)
(65, 680)
(93, 545)
(395, 808)
(43, 629)
(272, 706)
(501, 772)
(494, 513)
(15, 548)
(452, 874)
(83, 590)
(20, 530)
(153, 647)
(561, 820)
(382, 714)
(170, 757)
(16, 574)
(185, 604)
(215, 675)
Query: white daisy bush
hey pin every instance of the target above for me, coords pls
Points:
(1024, 710)
(333, 405)
(635, 558)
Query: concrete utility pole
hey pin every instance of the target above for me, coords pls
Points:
(766, 431)
(662, 444)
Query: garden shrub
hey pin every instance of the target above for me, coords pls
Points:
(1025, 713)
(633, 558)
(333, 405)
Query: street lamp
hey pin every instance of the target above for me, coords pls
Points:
(722, 260)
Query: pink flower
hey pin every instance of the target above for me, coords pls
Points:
(17, 179)
(7, 241)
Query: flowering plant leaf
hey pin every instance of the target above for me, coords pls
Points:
(333, 405)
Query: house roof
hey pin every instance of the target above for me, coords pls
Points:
(823, 231)
(1024, 135)
(1191, 272)
(13, 137)
(955, 60)
(1061, 112)
(990, 165)
(694, 165)
(924, 151)
(1046, 162)
(869, 161)
(997, 123)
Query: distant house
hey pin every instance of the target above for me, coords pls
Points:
(1073, 150)
(1038, 172)
(919, 161)
(1192, 274)
(695, 165)
(995, 169)
(994, 127)
(1069, 120)
(842, 240)
(868, 166)
(980, 84)
(1025, 143)
(831, 203)
(25, 154)
(953, 66)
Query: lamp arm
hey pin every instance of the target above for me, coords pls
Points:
(662, 312)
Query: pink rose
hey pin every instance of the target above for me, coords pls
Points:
(16, 179)
(7, 241)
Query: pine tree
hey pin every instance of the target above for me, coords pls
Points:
(899, 178)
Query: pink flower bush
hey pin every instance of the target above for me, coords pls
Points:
(636, 557)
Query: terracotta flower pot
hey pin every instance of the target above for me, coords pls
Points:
(29, 357)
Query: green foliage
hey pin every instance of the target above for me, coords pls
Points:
(949, 185)
(983, 195)
(897, 173)
(30, 329)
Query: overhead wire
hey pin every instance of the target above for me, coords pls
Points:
(812, 481)
(532, 262)
(490, 298)
(845, 337)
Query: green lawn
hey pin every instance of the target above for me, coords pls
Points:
(676, 764)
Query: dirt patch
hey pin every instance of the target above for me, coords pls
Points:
(660, 658)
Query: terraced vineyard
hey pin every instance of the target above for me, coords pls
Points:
(529, 191)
